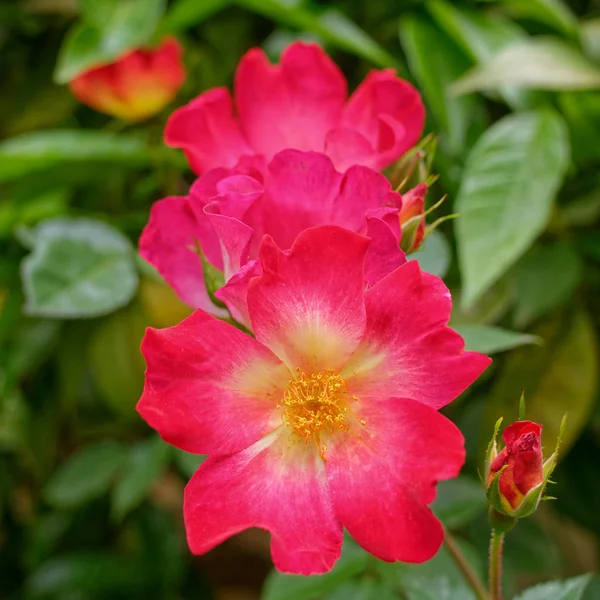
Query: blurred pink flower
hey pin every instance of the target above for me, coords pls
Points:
(135, 86)
(328, 418)
(300, 103)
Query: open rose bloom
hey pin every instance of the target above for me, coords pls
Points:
(228, 211)
(327, 418)
(135, 86)
(300, 103)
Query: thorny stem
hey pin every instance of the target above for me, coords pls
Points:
(461, 562)
(496, 546)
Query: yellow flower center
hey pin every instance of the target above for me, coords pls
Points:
(316, 403)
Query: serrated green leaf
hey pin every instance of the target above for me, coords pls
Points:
(569, 589)
(524, 155)
(144, 464)
(491, 340)
(85, 475)
(78, 268)
(536, 63)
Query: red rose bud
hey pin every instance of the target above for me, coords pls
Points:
(137, 85)
(517, 476)
(412, 218)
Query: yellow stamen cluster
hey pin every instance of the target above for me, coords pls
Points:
(316, 403)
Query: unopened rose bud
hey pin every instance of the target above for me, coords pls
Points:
(412, 218)
(136, 86)
(517, 476)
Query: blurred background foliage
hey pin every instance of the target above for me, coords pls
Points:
(90, 499)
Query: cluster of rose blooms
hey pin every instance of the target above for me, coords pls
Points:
(313, 371)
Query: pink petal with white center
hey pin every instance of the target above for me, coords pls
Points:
(307, 306)
(290, 105)
(168, 243)
(274, 486)
(408, 350)
(207, 396)
(383, 476)
(207, 131)
(388, 112)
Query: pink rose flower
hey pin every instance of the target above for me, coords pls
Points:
(137, 85)
(328, 418)
(227, 213)
(300, 103)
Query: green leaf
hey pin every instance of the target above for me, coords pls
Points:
(434, 255)
(436, 579)
(78, 268)
(461, 119)
(114, 360)
(86, 575)
(278, 586)
(24, 154)
(145, 463)
(569, 589)
(554, 13)
(590, 37)
(537, 63)
(521, 156)
(560, 376)
(187, 462)
(481, 36)
(491, 340)
(184, 14)
(333, 26)
(582, 113)
(85, 475)
(109, 29)
(545, 278)
(458, 501)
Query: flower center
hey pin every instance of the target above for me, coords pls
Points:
(316, 403)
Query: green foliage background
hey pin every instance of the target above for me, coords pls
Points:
(90, 499)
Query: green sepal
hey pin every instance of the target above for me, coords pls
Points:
(213, 278)
(415, 166)
(492, 450)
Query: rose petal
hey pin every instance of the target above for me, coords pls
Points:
(168, 243)
(207, 131)
(383, 476)
(408, 350)
(290, 105)
(272, 486)
(388, 112)
(307, 306)
(207, 396)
